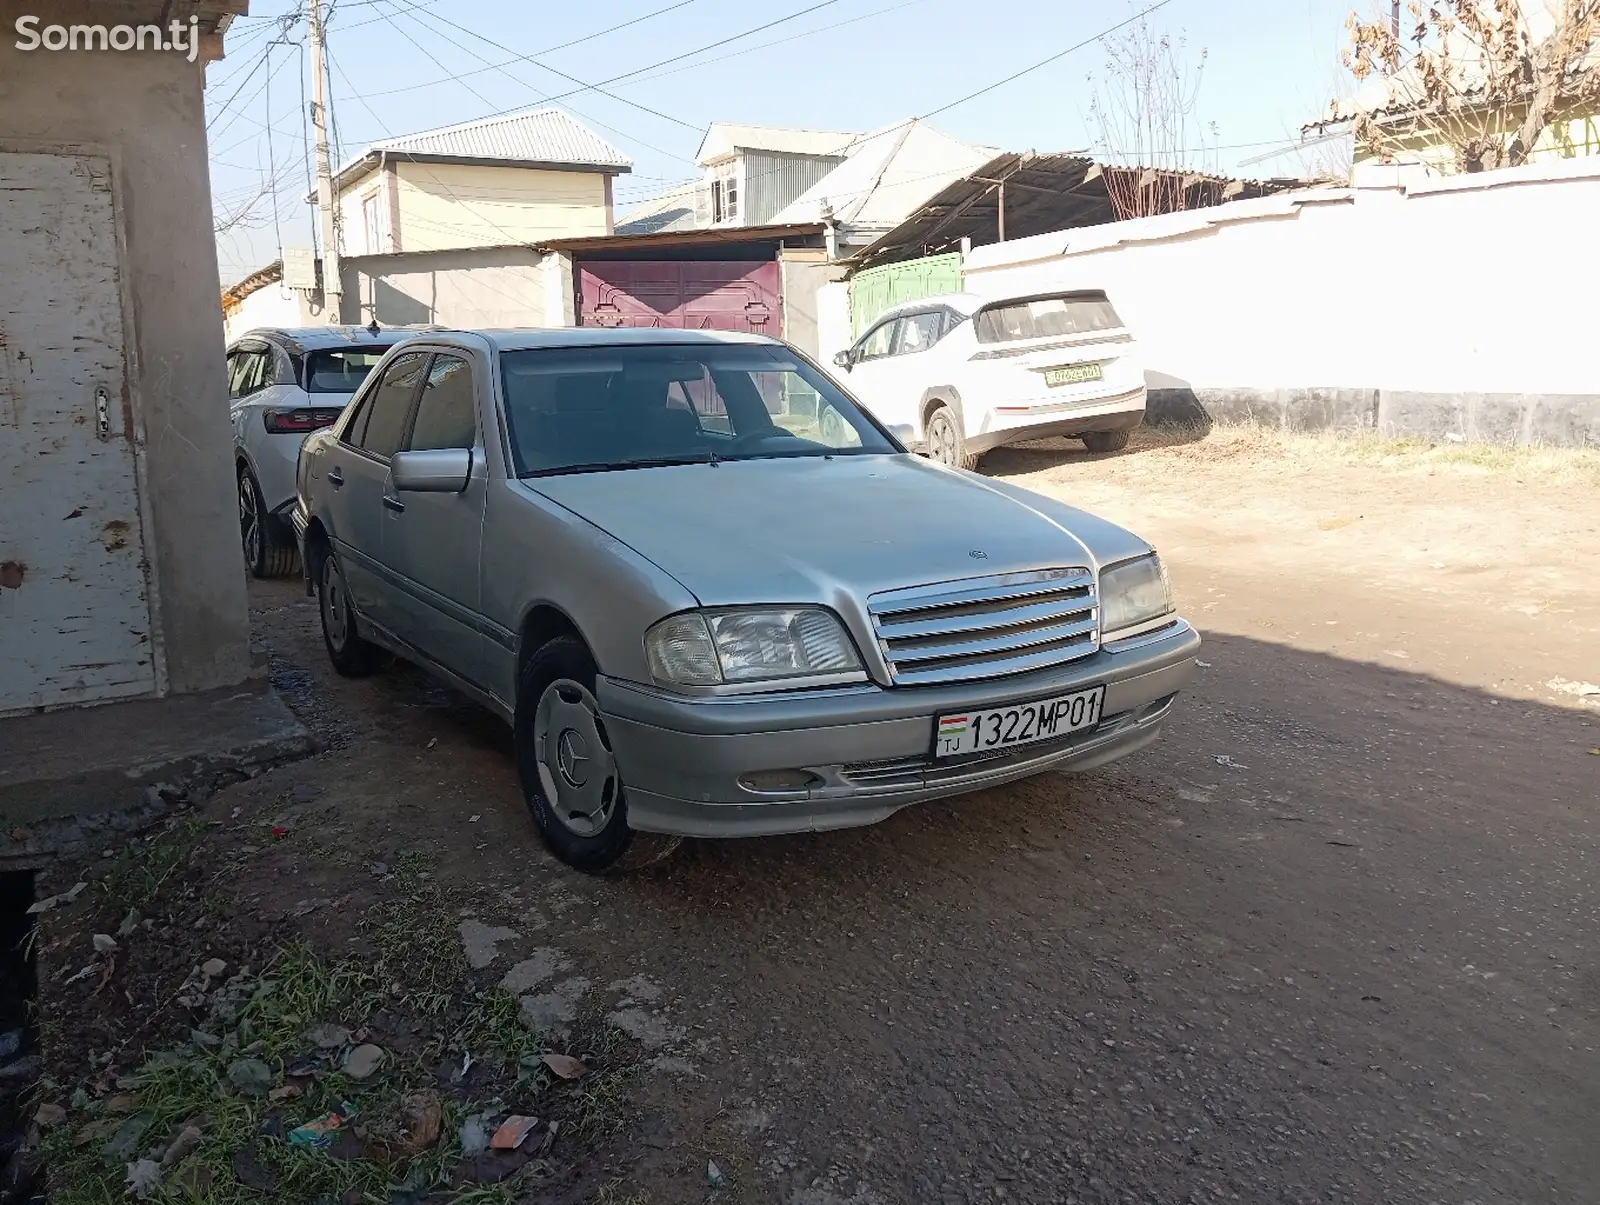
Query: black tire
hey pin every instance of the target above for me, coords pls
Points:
(614, 847)
(268, 550)
(947, 438)
(1105, 441)
(351, 655)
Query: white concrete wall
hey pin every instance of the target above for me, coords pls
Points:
(1460, 289)
(487, 287)
(273, 305)
(442, 206)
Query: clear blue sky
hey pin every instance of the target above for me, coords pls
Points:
(1270, 66)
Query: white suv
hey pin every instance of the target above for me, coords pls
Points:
(284, 384)
(956, 375)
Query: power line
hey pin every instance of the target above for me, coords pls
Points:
(1060, 54)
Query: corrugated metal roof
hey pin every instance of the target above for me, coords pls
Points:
(678, 209)
(889, 174)
(544, 136)
(724, 138)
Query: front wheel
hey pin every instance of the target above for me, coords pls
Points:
(947, 441)
(1105, 441)
(569, 771)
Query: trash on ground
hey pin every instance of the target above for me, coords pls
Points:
(187, 1140)
(51, 901)
(325, 1036)
(565, 1066)
(48, 1115)
(213, 968)
(144, 1178)
(319, 1131)
(286, 1092)
(1579, 690)
(1222, 759)
(715, 1177)
(474, 1136)
(513, 1132)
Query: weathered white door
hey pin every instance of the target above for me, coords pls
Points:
(75, 621)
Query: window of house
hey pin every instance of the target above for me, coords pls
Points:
(725, 195)
(369, 218)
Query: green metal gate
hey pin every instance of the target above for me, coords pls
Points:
(878, 289)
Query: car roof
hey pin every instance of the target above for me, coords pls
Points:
(318, 338)
(962, 303)
(530, 338)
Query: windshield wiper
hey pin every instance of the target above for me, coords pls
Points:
(607, 466)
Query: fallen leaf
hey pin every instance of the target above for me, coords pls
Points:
(512, 1132)
(212, 968)
(251, 1076)
(287, 1092)
(326, 1036)
(424, 1116)
(188, 1138)
(20, 834)
(278, 831)
(1594, 752)
(123, 1102)
(565, 1066)
(49, 1115)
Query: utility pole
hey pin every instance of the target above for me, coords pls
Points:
(1394, 19)
(332, 287)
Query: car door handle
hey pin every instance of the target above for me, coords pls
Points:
(336, 477)
(393, 503)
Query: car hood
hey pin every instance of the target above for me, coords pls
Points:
(828, 530)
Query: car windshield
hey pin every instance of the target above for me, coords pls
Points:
(1043, 317)
(340, 369)
(595, 408)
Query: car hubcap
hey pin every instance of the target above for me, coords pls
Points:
(576, 768)
(249, 521)
(942, 440)
(333, 604)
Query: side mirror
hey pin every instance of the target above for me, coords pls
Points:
(843, 360)
(438, 471)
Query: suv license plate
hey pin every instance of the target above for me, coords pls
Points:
(1073, 374)
(968, 732)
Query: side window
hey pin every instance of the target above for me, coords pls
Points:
(447, 415)
(247, 372)
(701, 396)
(918, 332)
(878, 342)
(385, 422)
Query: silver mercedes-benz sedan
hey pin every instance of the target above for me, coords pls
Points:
(711, 594)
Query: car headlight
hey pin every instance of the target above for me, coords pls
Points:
(716, 648)
(1132, 593)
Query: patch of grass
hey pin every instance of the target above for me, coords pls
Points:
(136, 876)
(243, 1157)
(603, 1102)
(493, 1030)
(417, 942)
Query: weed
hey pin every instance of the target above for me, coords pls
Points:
(136, 876)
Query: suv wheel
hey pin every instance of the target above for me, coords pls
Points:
(266, 552)
(947, 442)
(569, 772)
(1105, 441)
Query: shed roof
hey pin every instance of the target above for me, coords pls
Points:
(548, 138)
(725, 138)
(1043, 193)
(889, 173)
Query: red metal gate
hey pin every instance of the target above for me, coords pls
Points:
(714, 295)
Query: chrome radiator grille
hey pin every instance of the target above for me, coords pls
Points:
(987, 627)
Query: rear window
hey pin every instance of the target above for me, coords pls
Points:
(1044, 317)
(340, 369)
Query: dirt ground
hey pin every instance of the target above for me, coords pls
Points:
(1332, 939)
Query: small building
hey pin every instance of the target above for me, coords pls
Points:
(120, 574)
(510, 180)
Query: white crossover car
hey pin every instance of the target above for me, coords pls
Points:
(956, 375)
(283, 384)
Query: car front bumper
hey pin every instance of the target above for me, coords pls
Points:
(870, 749)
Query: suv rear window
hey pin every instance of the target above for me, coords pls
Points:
(1043, 317)
(341, 369)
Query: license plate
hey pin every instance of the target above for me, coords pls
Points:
(1073, 374)
(980, 731)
